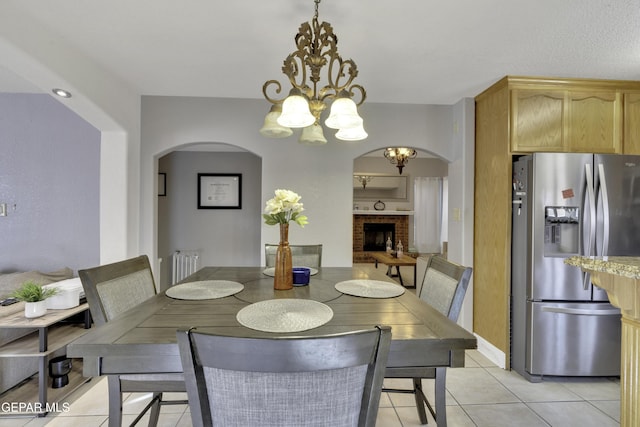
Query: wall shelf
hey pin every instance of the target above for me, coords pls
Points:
(385, 212)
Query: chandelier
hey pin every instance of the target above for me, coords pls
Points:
(399, 156)
(364, 180)
(317, 47)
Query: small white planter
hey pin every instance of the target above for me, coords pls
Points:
(35, 309)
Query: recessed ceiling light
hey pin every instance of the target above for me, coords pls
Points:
(62, 93)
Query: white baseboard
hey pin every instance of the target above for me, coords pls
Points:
(491, 352)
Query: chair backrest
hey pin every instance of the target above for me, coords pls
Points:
(332, 380)
(112, 289)
(444, 286)
(301, 255)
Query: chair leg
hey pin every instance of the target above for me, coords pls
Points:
(115, 401)
(441, 397)
(421, 400)
(154, 414)
(153, 407)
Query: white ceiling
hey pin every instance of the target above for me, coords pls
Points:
(407, 51)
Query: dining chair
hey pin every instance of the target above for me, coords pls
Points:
(301, 255)
(111, 290)
(443, 287)
(331, 380)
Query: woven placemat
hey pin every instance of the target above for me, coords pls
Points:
(205, 289)
(271, 271)
(370, 288)
(285, 315)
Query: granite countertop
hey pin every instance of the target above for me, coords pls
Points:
(618, 265)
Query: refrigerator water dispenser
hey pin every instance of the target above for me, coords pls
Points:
(561, 231)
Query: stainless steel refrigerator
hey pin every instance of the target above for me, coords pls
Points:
(566, 205)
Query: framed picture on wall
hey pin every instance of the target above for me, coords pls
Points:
(219, 191)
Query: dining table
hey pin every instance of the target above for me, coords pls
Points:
(143, 339)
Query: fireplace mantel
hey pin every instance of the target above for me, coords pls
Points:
(374, 212)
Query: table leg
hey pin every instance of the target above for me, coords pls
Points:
(43, 376)
(399, 276)
(42, 341)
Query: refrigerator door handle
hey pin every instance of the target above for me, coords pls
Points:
(589, 205)
(612, 312)
(605, 210)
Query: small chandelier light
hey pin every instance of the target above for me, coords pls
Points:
(399, 156)
(317, 47)
(364, 180)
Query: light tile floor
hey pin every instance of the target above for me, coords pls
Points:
(480, 394)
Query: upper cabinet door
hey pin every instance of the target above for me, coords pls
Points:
(632, 123)
(570, 121)
(594, 122)
(537, 120)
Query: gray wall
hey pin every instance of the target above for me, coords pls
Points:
(321, 175)
(49, 179)
(420, 166)
(223, 237)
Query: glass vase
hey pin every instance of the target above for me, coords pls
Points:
(283, 277)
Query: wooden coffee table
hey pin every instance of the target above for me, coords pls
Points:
(393, 261)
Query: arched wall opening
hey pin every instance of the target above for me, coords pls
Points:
(220, 233)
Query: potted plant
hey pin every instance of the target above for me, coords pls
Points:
(34, 297)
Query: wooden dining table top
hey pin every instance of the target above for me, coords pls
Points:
(391, 260)
(143, 339)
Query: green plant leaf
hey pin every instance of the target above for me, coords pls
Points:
(33, 292)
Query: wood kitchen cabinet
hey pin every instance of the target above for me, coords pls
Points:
(537, 120)
(521, 115)
(594, 121)
(631, 129)
(566, 121)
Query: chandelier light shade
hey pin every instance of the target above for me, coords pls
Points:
(344, 114)
(295, 111)
(399, 156)
(312, 135)
(271, 127)
(310, 94)
(353, 134)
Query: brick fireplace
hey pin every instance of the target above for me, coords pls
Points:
(379, 224)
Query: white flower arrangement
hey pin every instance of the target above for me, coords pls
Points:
(284, 207)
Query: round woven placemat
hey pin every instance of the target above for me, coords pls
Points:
(285, 315)
(370, 288)
(205, 289)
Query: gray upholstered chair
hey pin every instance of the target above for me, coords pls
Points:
(331, 380)
(301, 255)
(111, 290)
(443, 287)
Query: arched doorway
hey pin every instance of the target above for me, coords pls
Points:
(222, 236)
(388, 197)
